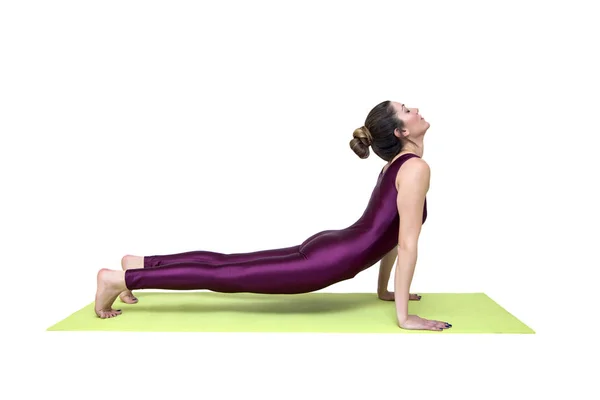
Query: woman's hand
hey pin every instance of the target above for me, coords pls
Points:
(389, 296)
(416, 322)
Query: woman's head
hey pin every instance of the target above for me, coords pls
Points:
(389, 128)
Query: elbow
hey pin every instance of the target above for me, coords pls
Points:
(408, 246)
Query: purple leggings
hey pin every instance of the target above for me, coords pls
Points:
(277, 271)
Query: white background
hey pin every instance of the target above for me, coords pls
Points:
(154, 127)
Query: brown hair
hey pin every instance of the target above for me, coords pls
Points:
(378, 132)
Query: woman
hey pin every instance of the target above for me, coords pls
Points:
(389, 227)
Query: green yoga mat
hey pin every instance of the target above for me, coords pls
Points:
(200, 311)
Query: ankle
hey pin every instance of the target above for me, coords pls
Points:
(117, 280)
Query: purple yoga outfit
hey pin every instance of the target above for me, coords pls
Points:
(321, 260)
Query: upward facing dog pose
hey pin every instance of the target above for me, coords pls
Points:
(389, 227)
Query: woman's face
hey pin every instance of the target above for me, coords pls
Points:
(413, 122)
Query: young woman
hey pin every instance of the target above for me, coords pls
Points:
(389, 227)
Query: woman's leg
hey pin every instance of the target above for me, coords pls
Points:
(128, 262)
(285, 274)
(201, 256)
(211, 257)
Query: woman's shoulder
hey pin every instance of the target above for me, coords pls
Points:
(414, 168)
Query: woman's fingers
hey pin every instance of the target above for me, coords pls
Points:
(444, 324)
(434, 325)
(439, 325)
(390, 296)
(431, 325)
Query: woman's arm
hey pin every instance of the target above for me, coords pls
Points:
(414, 176)
(385, 270)
(407, 259)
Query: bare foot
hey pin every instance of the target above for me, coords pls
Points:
(110, 284)
(128, 262)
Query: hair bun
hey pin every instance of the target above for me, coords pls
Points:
(361, 141)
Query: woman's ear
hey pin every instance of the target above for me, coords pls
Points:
(399, 134)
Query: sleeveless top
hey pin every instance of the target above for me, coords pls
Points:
(374, 234)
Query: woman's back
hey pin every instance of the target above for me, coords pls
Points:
(374, 234)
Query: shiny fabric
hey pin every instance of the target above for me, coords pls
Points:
(321, 260)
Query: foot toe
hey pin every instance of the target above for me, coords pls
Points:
(108, 313)
(128, 297)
